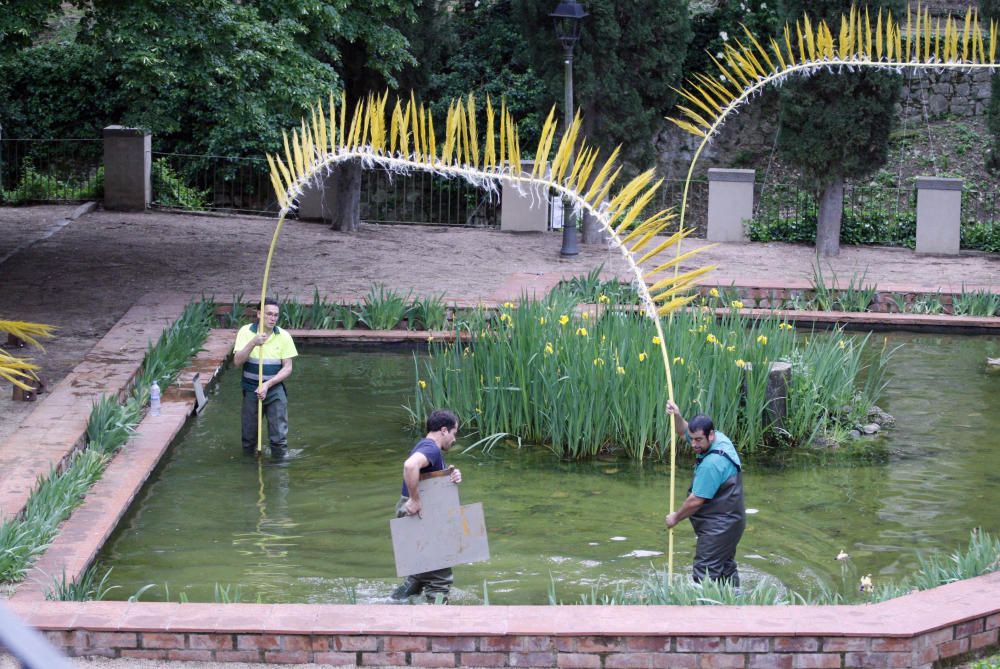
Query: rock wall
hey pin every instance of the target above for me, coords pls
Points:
(748, 138)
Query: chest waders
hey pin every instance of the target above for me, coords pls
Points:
(719, 524)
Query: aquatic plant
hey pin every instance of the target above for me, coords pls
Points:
(550, 372)
(383, 308)
(87, 588)
(976, 303)
(428, 313)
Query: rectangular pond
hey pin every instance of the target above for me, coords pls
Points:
(315, 527)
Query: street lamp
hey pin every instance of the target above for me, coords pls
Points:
(568, 18)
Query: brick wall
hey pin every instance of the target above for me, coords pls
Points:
(781, 651)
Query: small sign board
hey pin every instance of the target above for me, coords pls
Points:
(444, 535)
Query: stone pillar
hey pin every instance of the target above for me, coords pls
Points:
(128, 158)
(730, 204)
(779, 377)
(939, 215)
(317, 201)
(527, 212)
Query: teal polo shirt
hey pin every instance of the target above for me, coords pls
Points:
(711, 471)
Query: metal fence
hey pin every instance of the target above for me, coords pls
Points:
(50, 170)
(212, 183)
(979, 207)
(426, 199)
(671, 194)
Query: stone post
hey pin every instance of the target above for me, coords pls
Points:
(730, 204)
(939, 215)
(527, 212)
(779, 377)
(128, 159)
(317, 201)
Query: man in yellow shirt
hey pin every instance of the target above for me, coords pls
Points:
(277, 349)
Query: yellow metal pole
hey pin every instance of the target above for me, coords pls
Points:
(260, 328)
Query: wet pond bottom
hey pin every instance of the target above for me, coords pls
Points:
(315, 528)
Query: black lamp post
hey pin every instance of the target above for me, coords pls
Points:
(568, 17)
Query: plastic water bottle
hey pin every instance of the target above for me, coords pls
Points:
(154, 399)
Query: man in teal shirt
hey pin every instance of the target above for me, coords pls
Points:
(715, 499)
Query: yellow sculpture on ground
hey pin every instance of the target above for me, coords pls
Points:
(405, 140)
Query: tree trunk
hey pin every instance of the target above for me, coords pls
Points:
(831, 210)
(346, 182)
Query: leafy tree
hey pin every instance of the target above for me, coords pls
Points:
(207, 76)
(991, 12)
(21, 21)
(626, 65)
(836, 125)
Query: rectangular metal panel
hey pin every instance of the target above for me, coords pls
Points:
(446, 534)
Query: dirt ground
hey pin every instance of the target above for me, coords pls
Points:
(82, 275)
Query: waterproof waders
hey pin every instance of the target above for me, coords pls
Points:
(719, 524)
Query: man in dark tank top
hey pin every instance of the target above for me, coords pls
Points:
(715, 500)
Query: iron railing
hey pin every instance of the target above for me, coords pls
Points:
(36, 171)
(671, 194)
(426, 199)
(212, 183)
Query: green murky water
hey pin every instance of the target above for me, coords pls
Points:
(315, 529)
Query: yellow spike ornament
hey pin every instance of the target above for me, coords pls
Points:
(308, 160)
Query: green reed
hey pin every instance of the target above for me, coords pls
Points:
(549, 373)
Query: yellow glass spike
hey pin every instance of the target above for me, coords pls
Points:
(677, 260)
(761, 51)
(631, 189)
(809, 33)
(788, 45)
(397, 115)
(691, 114)
(639, 230)
(322, 139)
(868, 34)
(845, 36)
(674, 305)
(279, 190)
(545, 144)
(700, 97)
(588, 158)
(667, 243)
(299, 169)
(994, 30)
(308, 156)
(602, 174)
(650, 234)
(333, 124)
(685, 278)
(285, 173)
(431, 140)
(776, 48)
(490, 157)
(599, 195)
(343, 119)
(966, 34)
(937, 39)
(463, 126)
(503, 134)
(473, 131)
(910, 30)
(803, 56)
(404, 131)
(635, 210)
(565, 152)
(288, 156)
(878, 35)
(515, 143)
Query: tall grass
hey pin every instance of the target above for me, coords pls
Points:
(547, 374)
(108, 428)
